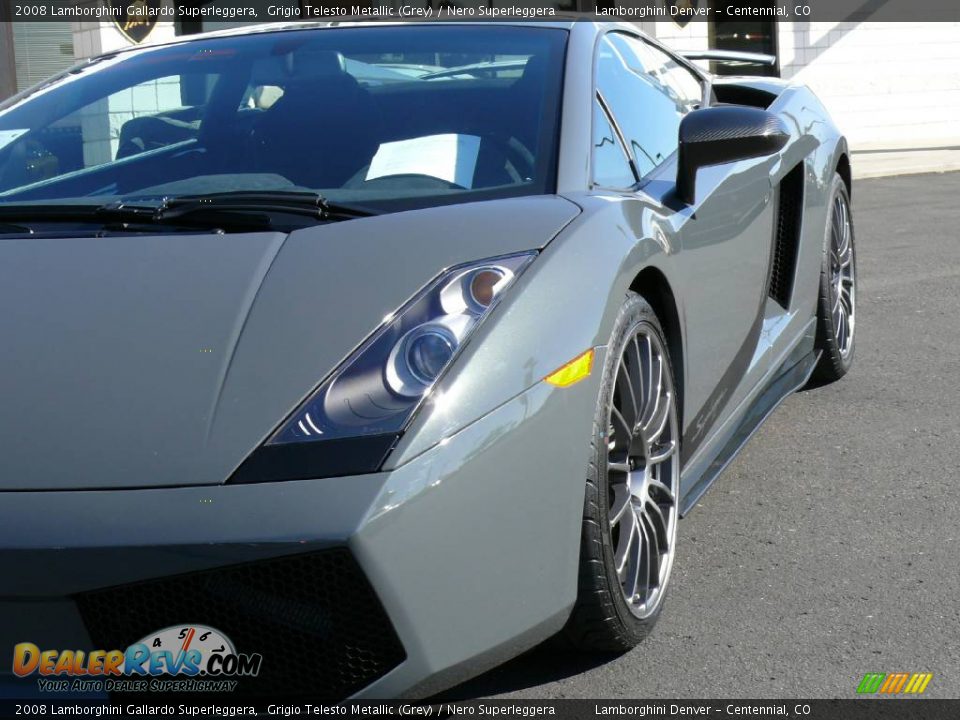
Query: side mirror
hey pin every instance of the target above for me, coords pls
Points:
(721, 134)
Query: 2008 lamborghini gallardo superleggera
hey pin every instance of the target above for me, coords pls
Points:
(385, 352)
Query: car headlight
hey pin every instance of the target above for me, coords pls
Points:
(350, 423)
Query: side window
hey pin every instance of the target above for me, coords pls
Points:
(683, 85)
(646, 108)
(611, 168)
(146, 116)
(687, 85)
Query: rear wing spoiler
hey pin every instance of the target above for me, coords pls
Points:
(732, 57)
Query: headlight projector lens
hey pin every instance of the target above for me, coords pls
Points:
(429, 349)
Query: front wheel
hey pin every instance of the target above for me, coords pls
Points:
(629, 532)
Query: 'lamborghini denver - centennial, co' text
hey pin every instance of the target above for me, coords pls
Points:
(387, 351)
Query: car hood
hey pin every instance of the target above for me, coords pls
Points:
(151, 361)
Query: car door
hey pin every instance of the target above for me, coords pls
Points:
(725, 236)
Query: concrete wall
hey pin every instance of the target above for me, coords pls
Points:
(692, 37)
(887, 85)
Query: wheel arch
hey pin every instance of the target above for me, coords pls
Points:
(843, 168)
(651, 284)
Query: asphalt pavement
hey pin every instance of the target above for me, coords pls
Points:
(831, 547)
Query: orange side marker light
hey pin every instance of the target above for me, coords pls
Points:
(573, 372)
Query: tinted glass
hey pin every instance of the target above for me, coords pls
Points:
(401, 115)
(757, 36)
(610, 165)
(648, 110)
(683, 86)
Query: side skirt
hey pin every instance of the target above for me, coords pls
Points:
(789, 380)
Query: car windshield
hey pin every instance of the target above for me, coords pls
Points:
(391, 117)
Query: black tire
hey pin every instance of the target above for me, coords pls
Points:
(601, 620)
(836, 356)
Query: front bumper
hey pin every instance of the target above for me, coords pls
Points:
(470, 550)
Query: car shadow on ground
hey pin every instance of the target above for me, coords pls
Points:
(814, 384)
(543, 664)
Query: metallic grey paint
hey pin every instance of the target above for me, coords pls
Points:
(159, 361)
(470, 534)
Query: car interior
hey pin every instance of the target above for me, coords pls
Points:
(308, 119)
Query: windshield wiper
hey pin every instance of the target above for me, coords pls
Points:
(306, 204)
(74, 220)
(34, 220)
(19, 213)
(244, 210)
(8, 229)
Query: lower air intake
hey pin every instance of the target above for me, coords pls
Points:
(313, 617)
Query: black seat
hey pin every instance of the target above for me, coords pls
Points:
(515, 121)
(324, 128)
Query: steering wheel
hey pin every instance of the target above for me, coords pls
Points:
(512, 150)
(422, 181)
(517, 153)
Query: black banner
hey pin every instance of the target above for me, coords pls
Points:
(143, 14)
(912, 709)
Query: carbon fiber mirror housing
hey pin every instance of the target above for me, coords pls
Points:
(722, 134)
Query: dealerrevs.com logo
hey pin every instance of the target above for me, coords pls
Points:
(180, 658)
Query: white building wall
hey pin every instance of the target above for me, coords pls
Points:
(92, 38)
(887, 85)
(695, 36)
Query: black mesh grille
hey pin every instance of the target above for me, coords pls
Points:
(313, 617)
(789, 214)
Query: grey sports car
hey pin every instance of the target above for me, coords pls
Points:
(371, 355)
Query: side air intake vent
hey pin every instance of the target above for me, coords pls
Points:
(787, 236)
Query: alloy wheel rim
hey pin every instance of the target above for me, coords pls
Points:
(643, 471)
(843, 276)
